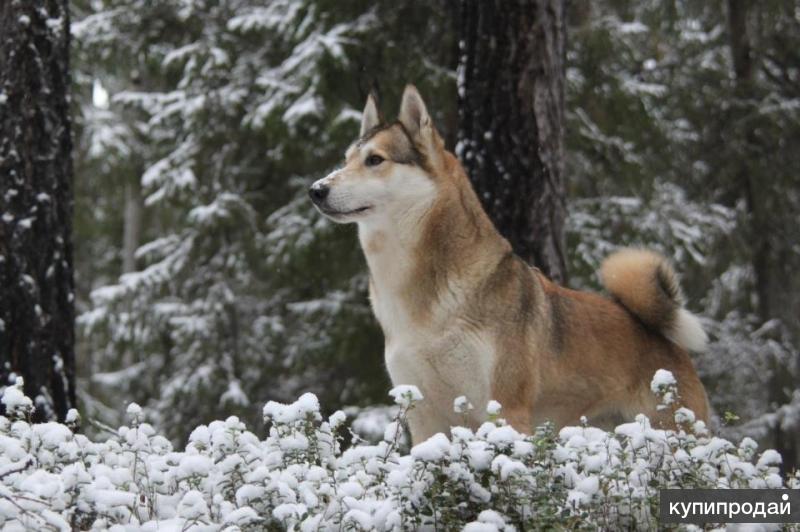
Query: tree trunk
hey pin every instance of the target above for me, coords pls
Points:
(132, 224)
(774, 300)
(36, 280)
(511, 121)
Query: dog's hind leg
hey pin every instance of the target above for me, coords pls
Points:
(691, 395)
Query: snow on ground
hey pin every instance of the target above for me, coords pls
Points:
(299, 477)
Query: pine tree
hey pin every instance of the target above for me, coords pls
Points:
(36, 280)
(657, 151)
(771, 252)
(225, 112)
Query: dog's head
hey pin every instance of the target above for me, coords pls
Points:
(389, 169)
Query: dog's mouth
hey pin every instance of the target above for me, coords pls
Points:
(341, 214)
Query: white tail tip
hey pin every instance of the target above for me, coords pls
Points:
(687, 332)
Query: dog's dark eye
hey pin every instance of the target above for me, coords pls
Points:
(373, 160)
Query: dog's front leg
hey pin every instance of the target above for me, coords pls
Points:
(513, 387)
(422, 423)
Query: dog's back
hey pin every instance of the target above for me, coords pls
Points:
(609, 349)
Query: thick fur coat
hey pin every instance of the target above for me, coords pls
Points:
(463, 315)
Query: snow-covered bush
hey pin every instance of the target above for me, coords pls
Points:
(300, 477)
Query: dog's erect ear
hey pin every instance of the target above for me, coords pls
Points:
(413, 113)
(371, 117)
(416, 120)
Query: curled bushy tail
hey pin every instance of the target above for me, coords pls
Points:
(645, 283)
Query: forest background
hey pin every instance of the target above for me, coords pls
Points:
(206, 284)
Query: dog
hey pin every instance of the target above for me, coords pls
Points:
(462, 315)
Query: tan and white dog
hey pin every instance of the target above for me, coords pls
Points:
(462, 315)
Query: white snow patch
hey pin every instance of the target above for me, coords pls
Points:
(405, 395)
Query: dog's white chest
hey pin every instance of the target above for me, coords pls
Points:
(442, 356)
(443, 366)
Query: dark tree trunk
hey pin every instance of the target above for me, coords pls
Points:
(36, 282)
(774, 299)
(511, 121)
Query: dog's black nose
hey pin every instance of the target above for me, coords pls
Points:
(318, 193)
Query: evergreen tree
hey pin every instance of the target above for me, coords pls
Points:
(657, 152)
(36, 285)
(773, 261)
(224, 112)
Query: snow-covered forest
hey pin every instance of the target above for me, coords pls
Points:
(206, 285)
